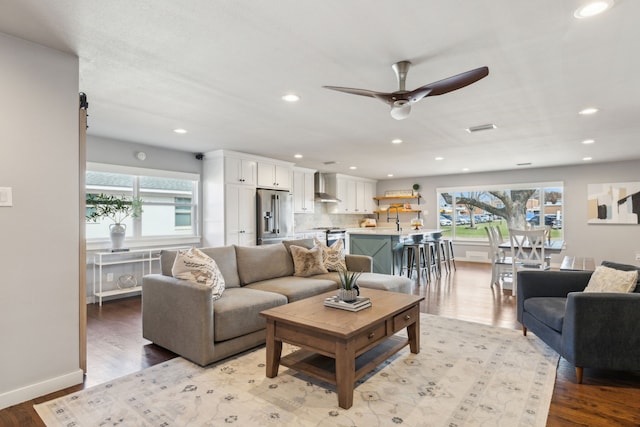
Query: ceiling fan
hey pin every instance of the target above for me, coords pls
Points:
(402, 99)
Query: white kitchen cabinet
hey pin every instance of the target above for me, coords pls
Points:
(238, 170)
(274, 175)
(240, 215)
(303, 190)
(229, 181)
(355, 194)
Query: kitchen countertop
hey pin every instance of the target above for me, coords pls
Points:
(384, 231)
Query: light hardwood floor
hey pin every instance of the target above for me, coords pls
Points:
(116, 348)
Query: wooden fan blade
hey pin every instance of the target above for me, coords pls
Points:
(449, 84)
(353, 91)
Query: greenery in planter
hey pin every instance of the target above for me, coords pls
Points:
(117, 208)
(349, 279)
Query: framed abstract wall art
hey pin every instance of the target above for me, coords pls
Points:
(613, 203)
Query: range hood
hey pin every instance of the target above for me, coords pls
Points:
(321, 196)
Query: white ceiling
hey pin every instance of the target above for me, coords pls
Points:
(218, 68)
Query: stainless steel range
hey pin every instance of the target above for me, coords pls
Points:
(333, 234)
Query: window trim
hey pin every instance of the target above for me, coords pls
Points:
(491, 187)
(137, 240)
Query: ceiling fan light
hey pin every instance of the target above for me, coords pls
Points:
(401, 113)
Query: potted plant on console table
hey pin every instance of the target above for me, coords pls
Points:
(117, 208)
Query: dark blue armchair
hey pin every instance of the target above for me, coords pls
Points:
(590, 330)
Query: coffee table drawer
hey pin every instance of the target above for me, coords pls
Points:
(407, 317)
(371, 336)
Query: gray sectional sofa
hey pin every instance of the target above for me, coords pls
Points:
(182, 317)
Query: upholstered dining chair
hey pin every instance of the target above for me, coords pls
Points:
(527, 249)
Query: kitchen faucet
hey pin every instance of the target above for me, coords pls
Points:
(397, 216)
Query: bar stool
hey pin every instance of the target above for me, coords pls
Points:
(429, 246)
(448, 257)
(413, 253)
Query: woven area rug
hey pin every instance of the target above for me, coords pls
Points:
(466, 374)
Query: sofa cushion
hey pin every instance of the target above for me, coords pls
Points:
(332, 256)
(195, 266)
(307, 262)
(295, 288)
(624, 267)
(305, 243)
(237, 313)
(547, 310)
(256, 263)
(606, 279)
(225, 257)
(383, 282)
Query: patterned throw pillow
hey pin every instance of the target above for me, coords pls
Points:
(333, 256)
(195, 266)
(606, 279)
(307, 262)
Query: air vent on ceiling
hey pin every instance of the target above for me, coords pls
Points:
(479, 128)
(523, 164)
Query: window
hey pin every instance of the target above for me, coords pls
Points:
(169, 200)
(465, 210)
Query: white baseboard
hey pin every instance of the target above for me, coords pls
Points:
(32, 391)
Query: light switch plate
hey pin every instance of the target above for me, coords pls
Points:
(5, 196)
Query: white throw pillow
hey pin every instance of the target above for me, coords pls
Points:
(333, 256)
(196, 266)
(307, 262)
(606, 279)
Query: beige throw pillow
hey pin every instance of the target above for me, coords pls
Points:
(606, 279)
(307, 262)
(333, 257)
(195, 266)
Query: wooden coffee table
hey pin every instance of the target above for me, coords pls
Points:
(339, 346)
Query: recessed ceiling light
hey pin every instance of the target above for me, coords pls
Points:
(592, 8)
(465, 169)
(439, 158)
(396, 141)
(291, 97)
(180, 131)
(588, 111)
(588, 141)
(389, 175)
(297, 156)
(586, 159)
(353, 168)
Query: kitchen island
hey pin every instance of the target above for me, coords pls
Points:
(383, 244)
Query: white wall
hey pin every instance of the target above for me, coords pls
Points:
(611, 242)
(39, 237)
(117, 152)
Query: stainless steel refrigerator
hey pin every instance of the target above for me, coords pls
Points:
(275, 216)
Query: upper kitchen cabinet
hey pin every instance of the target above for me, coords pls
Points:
(274, 175)
(239, 170)
(355, 194)
(303, 190)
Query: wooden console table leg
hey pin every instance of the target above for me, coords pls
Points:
(345, 373)
(413, 333)
(274, 350)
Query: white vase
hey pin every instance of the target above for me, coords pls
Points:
(117, 233)
(347, 295)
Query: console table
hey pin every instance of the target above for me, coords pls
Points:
(144, 257)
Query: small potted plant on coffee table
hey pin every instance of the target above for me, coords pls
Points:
(349, 290)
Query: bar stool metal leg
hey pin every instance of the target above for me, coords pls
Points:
(451, 255)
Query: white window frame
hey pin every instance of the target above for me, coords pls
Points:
(491, 187)
(137, 240)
